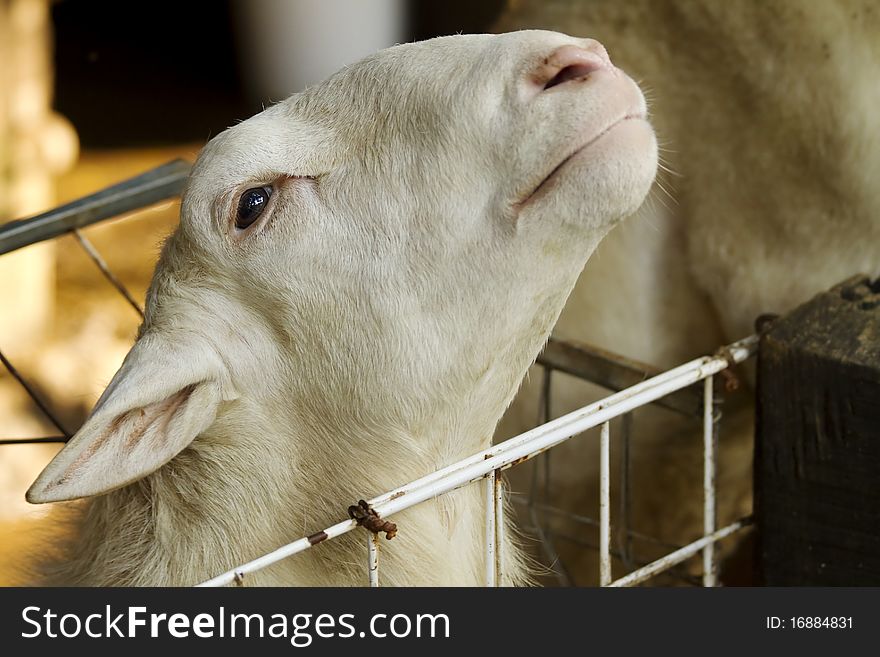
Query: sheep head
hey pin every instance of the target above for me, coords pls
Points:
(385, 251)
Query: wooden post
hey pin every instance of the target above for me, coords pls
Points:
(817, 442)
(36, 145)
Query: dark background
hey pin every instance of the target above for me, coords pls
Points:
(151, 73)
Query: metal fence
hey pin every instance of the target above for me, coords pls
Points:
(636, 385)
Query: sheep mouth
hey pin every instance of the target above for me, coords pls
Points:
(544, 186)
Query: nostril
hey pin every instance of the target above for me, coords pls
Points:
(569, 63)
(571, 72)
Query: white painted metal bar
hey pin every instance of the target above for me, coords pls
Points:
(373, 558)
(517, 449)
(681, 375)
(499, 528)
(489, 487)
(682, 554)
(283, 552)
(605, 505)
(709, 575)
(624, 521)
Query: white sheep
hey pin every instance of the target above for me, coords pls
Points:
(361, 277)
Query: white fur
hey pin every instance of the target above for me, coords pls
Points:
(371, 327)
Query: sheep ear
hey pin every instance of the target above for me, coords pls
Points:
(161, 398)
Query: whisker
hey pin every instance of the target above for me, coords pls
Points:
(654, 196)
(665, 191)
(646, 216)
(661, 163)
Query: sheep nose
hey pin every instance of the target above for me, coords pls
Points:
(569, 63)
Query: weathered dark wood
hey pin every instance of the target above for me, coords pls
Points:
(817, 442)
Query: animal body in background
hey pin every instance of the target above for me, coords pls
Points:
(767, 113)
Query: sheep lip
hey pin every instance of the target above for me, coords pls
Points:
(543, 185)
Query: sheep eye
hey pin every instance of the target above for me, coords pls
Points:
(251, 206)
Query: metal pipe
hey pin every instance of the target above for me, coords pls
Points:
(605, 505)
(519, 449)
(674, 572)
(159, 184)
(534, 442)
(300, 545)
(624, 539)
(491, 574)
(612, 371)
(709, 575)
(674, 558)
(591, 522)
(645, 392)
(33, 441)
(373, 558)
(498, 495)
(35, 398)
(93, 253)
